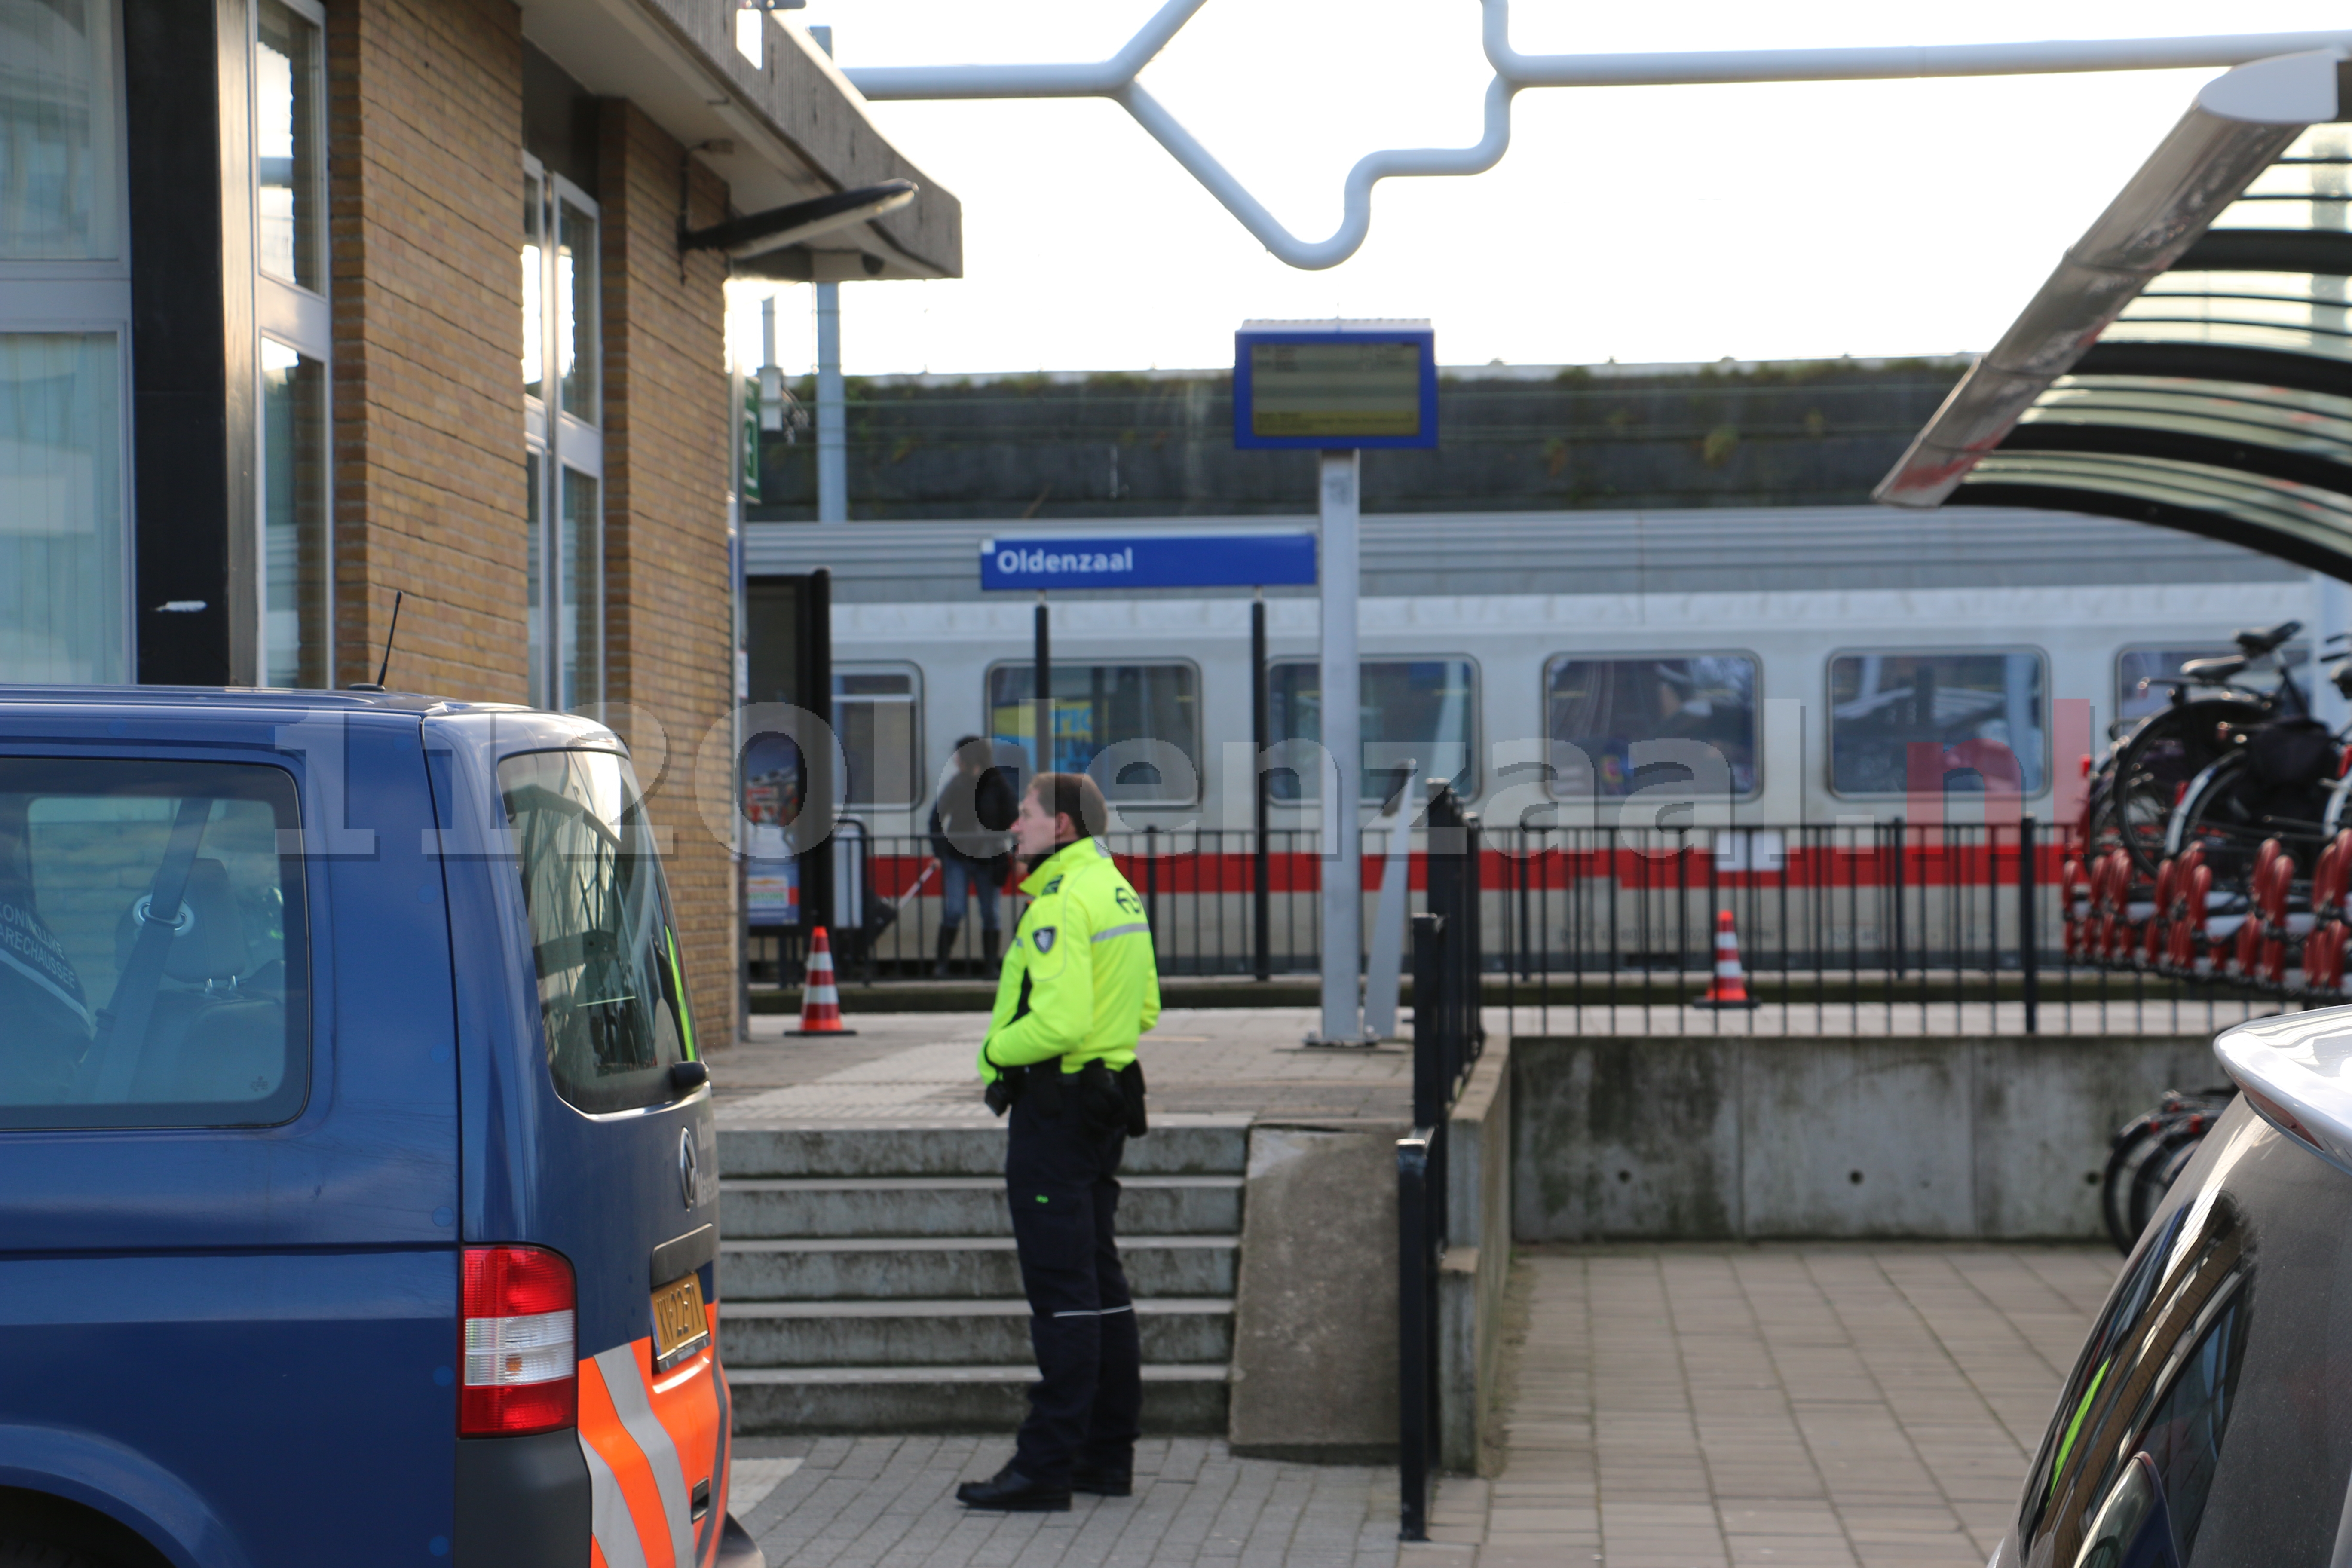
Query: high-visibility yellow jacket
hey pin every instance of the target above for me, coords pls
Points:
(1079, 981)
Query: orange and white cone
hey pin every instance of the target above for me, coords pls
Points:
(819, 1001)
(1730, 987)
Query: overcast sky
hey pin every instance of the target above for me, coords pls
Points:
(1638, 224)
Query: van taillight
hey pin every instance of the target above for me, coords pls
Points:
(522, 1370)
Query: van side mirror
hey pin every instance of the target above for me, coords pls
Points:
(688, 1077)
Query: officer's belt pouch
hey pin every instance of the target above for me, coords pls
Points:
(1130, 1084)
(1102, 1098)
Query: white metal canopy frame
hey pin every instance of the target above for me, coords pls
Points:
(2190, 362)
(1116, 79)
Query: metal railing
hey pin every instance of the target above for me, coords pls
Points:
(1873, 927)
(1448, 1033)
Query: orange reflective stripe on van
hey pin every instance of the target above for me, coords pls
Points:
(648, 1447)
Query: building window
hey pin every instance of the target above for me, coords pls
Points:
(295, 585)
(1151, 712)
(1422, 710)
(63, 570)
(64, 327)
(1884, 704)
(879, 715)
(61, 159)
(1606, 706)
(289, 296)
(288, 127)
(565, 454)
(2140, 674)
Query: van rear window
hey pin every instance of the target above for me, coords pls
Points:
(152, 961)
(611, 996)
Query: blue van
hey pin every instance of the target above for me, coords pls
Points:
(358, 1173)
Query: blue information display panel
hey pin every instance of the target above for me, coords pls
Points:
(1144, 561)
(1334, 385)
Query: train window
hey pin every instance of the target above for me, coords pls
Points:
(877, 714)
(2140, 672)
(1982, 712)
(1136, 727)
(1606, 706)
(1419, 710)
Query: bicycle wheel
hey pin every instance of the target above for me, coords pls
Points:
(2157, 763)
(2228, 812)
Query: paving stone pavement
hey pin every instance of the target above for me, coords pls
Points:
(1821, 1406)
(1812, 1405)
(889, 1503)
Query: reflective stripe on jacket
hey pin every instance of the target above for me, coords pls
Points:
(1080, 982)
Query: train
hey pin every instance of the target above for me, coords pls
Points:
(1763, 666)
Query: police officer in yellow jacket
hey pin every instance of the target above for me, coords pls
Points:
(1079, 987)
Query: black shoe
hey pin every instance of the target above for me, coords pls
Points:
(1013, 1492)
(1119, 1482)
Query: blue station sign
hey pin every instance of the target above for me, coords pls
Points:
(1148, 561)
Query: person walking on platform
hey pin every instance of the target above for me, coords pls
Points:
(968, 838)
(1080, 987)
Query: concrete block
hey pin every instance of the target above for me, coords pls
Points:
(966, 1267)
(1710, 1138)
(1857, 1137)
(2046, 1110)
(1623, 1138)
(1476, 1264)
(1315, 1324)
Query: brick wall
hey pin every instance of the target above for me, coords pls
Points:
(425, 135)
(667, 460)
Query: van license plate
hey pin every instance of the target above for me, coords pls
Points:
(681, 1327)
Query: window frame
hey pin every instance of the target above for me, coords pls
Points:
(1756, 716)
(563, 440)
(987, 728)
(302, 941)
(915, 730)
(300, 320)
(518, 887)
(1474, 765)
(78, 296)
(2041, 656)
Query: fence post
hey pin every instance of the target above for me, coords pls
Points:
(1151, 888)
(1416, 1335)
(1429, 1019)
(1899, 954)
(2029, 957)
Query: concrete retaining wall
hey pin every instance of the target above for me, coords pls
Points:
(1315, 1320)
(1712, 1138)
(1477, 1262)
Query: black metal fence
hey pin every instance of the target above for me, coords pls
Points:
(1448, 1033)
(1870, 926)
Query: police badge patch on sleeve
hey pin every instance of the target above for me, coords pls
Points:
(1044, 936)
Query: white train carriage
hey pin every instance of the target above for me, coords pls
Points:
(1774, 668)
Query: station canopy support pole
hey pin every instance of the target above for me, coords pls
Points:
(1343, 865)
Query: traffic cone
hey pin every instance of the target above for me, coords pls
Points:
(1730, 987)
(819, 1001)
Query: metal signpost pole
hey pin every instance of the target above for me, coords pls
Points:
(1261, 896)
(1343, 865)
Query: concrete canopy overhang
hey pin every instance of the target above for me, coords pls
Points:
(789, 129)
(2190, 362)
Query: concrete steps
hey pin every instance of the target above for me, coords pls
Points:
(910, 1206)
(868, 1283)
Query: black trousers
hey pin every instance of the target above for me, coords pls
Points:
(1061, 1176)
